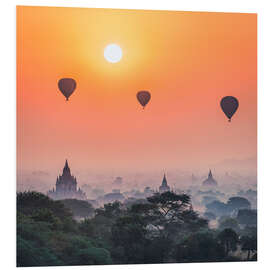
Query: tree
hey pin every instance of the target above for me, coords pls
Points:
(99, 227)
(235, 203)
(130, 233)
(218, 208)
(79, 208)
(30, 255)
(249, 244)
(209, 216)
(229, 223)
(229, 239)
(92, 255)
(200, 247)
(110, 210)
(157, 249)
(247, 217)
(47, 235)
(169, 213)
(87, 227)
(29, 202)
(166, 218)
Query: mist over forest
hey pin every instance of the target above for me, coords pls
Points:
(231, 173)
(135, 225)
(119, 216)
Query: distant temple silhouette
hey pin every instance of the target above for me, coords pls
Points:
(66, 187)
(164, 186)
(210, 181)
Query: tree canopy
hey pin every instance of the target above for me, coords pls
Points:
(162, 228)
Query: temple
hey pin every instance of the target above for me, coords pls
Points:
(66, 187)
(210, 181)
(164, 186)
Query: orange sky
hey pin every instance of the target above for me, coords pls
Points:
(187, 60)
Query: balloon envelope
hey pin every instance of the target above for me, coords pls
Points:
(67, 86)
(143, 97)
(229, 105)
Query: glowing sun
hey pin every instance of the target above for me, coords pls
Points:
(113, 53)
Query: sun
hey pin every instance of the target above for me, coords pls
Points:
(113, 53)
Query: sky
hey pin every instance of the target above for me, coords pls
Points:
(187, 60)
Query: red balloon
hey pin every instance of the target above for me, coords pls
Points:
(143, 97)
(67, 86)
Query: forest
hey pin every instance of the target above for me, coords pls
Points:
(164, 228)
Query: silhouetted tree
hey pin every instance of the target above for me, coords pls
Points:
(218, 208)
(172, 213)
(164, 219)
(209, 215)
(200, 247)
(247, 217)
(130, 233)
(249, 244)
(235, 203)
(29, 254)
(229, 240)
(47, 235)
(79, 208)
(110, 210)
(229, 223)
(29, 202)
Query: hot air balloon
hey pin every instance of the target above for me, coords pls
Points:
(143, 97)
(67, 86)
(229, 106)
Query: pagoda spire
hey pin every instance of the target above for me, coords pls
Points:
(66, 168)
(164, 181)
(210, 174)
(164, 185)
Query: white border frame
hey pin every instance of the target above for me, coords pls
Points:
(8, 117)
